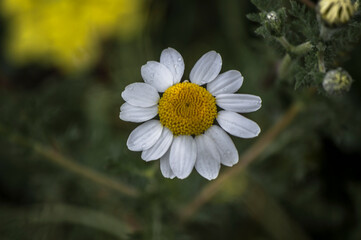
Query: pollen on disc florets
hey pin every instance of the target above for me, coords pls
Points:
(187, 109)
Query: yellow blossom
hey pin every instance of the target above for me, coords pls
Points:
(66, 33)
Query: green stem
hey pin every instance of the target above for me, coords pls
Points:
(300, 49)
(265, 210)
(321, 60)
(284, 42)
(212, 188)
(326, 33)
(308, 3)
(303, 48)
(69, 164)
(61, 213)
(284, 66)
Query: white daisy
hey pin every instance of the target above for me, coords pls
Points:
(184, 133)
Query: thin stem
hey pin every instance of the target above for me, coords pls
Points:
(300, 49)
(264, 209)
(284, 42)
(62, 213)
(303, 48)
(308, 3)
(321, 60)
(284, 66)
(69, 164)
(248, 157)
(83, 171)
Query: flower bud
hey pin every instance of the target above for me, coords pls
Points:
(273, 23)
(336, 12)
(337, 81)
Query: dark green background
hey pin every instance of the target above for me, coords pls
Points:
(307, 180)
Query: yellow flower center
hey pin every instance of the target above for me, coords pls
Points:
(187, 109)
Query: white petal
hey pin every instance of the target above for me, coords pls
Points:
(144, 136)
(237, 125)
(140, 95)
(242, 103)
(183, 153)
(227, 82)
(206, 69)
(157, 75)
(160, 147)
(208, 159)
(165, 167)
(132, 113)
(174, 62)
(225, 145)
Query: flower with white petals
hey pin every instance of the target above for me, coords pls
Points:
(184, 133)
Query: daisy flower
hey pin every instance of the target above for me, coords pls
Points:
(180, 117)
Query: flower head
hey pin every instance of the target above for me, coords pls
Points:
(337, 81)
(273, 22)
(335, 12)
(186, 134)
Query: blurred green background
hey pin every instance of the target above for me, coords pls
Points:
(65, 170)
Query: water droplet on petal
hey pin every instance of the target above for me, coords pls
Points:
(143, 145)
(179, 59)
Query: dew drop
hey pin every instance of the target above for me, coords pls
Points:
(143, 145)
(179, 59)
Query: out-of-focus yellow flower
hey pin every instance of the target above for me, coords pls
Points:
(335, 12)
(67, 33)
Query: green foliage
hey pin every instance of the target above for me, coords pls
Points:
(346, 39)
(64, 163)
(303, 22)
(306, 72)
(265, 30)
(302, 25)
(267, 6)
